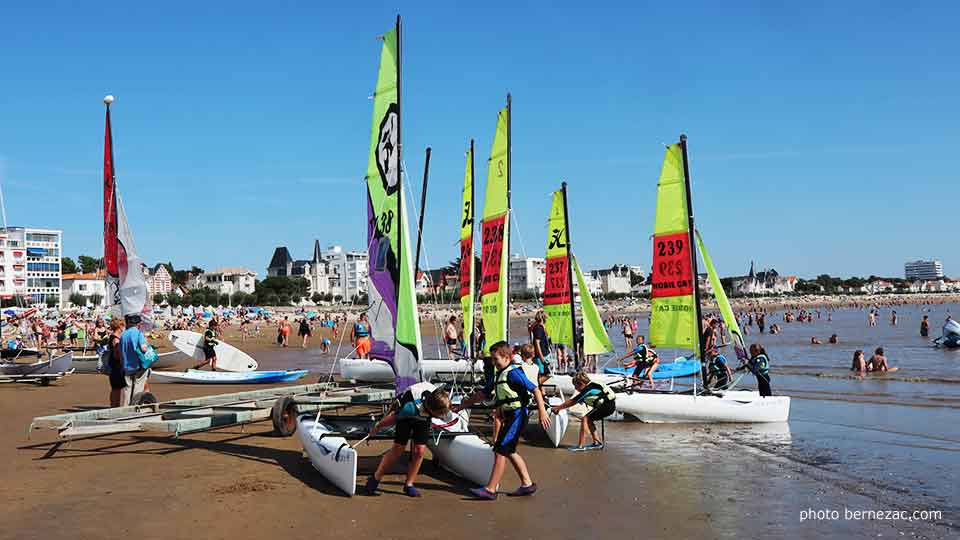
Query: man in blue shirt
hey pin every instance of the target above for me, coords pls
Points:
(131, 341)
(512, 390)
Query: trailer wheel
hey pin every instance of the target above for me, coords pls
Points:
(143, 398)
(45, 382)
(284, 416)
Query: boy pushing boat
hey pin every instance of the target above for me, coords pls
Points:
(512, 390)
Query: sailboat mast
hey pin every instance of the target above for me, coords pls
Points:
(473, 206)
(691, 242)
(423, 207)
(573, 311)
(506, 315)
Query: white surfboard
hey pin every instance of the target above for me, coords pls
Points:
(229, 358)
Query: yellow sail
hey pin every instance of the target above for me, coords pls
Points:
(556, 292)
(673, 317)
(595, 337)
(722, 302)
(495, 235)
(466, 248)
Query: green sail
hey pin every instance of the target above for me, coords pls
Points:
(725, 310)
(495, 236)
(394, 323)
(556, 291)
(466, 248)
(595, 338)
(673, 315)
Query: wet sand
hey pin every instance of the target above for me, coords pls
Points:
(650, 482)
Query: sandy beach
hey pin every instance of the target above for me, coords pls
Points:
(244, 482)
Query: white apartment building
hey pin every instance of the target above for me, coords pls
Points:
(227, 280)
(923, 270)
(30, 264)
(527, 274)
(349, 271)
(87, 285)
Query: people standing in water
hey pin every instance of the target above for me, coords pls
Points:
(719, 373)
(602, 402)
(361, 337)
(628, 334)
(893, 318)
(759, 365)
(304, 331)
(877, 362)
(859, 364)
(512, 390)
(761, 320)
(451, 336)
(925, 326)
(411, 413)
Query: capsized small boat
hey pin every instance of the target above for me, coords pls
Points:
(196, 376)
(951, 335)
(681, 367)
(459, 451)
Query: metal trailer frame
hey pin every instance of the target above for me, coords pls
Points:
(43, 379)
(281, 405)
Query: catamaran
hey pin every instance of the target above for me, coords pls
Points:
(675, 313)
(395, 328)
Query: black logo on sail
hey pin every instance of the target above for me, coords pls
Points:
(387, 151)
(556, 240)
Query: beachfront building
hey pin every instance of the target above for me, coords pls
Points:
(879, 286)
(348, 270)
(437, 282)
(315, 270)
(91, 286)
(923, 270)
(30, 264)
(527, 274)
(616, 279)
(227, 280)
(159, 280)
(763, 283)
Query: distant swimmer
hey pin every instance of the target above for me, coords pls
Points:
(815, 341)
(834, 339)
(859, 364)
(925, 326)
(775, 329)
(877, 362)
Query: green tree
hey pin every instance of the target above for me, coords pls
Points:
(78, 299)
(173, 299)
(88, 264)
(67, 266)
(158, 299)
(52, 301)
(317, 298)
(95, 299)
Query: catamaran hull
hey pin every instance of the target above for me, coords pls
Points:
(378, 371)
(564, 383)
(558, 422)
(466, 456)
(194, 376)
(331, 456)
(736, 406)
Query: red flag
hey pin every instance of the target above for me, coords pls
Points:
(110, 250)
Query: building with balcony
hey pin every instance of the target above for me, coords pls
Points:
(30, 264)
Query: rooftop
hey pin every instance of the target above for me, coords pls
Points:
(230, 270)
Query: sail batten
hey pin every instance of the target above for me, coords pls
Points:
(394, 324)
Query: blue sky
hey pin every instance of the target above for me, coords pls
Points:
(823, 135)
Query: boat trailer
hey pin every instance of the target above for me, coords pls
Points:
(279, 405)
(43, 379)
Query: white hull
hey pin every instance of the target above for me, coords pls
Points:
(378, 371)
(88, 363)
(735, 406)
(330, 456)
(466, 456)
(558, 422)
(564, 383)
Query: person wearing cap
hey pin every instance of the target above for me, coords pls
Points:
(133, 344)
